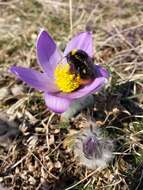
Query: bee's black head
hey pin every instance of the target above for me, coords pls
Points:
(82, 63)
(77, 55)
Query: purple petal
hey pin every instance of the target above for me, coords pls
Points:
(101, 72)
(95, 86)
(35, 79)
(91, 147)
(48, 54)
(82, 41)
(57, 104)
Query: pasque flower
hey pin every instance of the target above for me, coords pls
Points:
(61, 79)
(92, 149)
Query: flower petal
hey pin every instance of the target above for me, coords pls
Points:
(88, 89)
(101, 72)
(57, 104)
(48, 54)
(35, 79)
(82, 41)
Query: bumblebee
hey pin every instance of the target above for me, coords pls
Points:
(82, 64)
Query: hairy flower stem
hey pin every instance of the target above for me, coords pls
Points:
(77, 106)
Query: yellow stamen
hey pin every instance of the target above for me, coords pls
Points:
(66, 81)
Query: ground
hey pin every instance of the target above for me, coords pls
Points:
(32, 155)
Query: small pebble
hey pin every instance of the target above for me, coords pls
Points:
(17, 90)
(4, 93)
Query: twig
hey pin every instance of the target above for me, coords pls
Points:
(122, 31)
(141, 179)
(18, 162)
(79, 182)
(47, 128)
(70, 16)
(44, 166)
(113, 184)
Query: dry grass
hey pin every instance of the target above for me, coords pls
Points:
(37, 159)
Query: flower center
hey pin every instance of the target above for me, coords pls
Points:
(66, 80)
(78, 70)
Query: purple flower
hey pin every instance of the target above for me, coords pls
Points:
(60, 84)
(92, 149)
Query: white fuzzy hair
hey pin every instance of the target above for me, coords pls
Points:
(106, 148)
